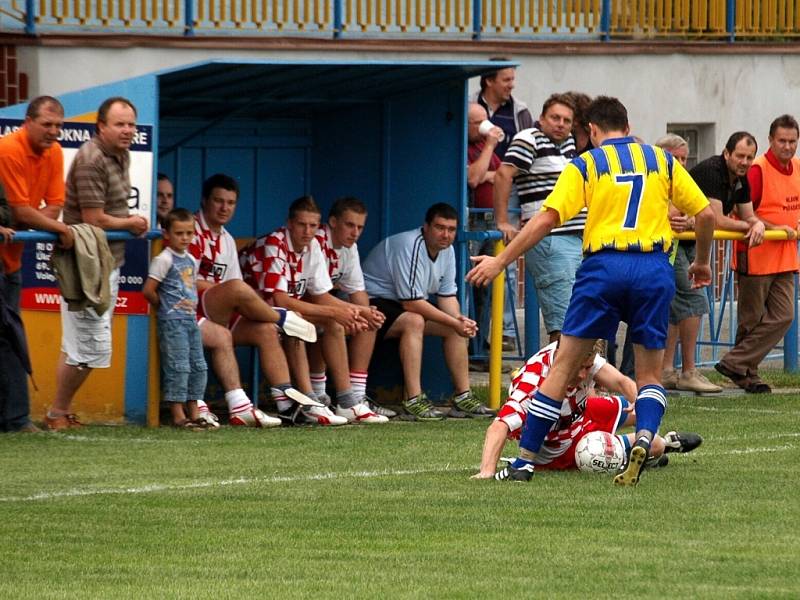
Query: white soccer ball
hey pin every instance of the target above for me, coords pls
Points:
(599, 452)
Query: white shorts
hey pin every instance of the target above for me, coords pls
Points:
(85, 336)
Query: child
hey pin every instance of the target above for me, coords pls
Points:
(171, 287)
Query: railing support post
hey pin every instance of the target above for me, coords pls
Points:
(605, 21)
(337, 18)
(477, 19)
(790, 339)
(730, 19)
(188, 18)
(30, 17)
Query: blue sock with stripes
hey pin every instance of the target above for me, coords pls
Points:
(650, 406)
(542, 413)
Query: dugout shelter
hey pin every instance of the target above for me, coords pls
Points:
(392, 133)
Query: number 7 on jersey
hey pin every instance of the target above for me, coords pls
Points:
(636, 182)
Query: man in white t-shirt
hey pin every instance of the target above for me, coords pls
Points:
(231, 314)
(288, 269)
(401, 273)
(338, 240)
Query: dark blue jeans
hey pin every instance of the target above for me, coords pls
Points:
(15, 406)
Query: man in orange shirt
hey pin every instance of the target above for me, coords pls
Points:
(32, 174)
(766, 272)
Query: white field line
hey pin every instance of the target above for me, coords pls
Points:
(757, 411)
(168, 487)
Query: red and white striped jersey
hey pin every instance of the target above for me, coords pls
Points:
(344, 264)
(215, 255)
(271, 264)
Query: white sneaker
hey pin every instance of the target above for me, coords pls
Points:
(208, 417)
(253, 417)
(360, 413)
(320, 415)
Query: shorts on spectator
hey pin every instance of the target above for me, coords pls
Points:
(553, 263)
(392, 309)
(85, 335)
(687, 302)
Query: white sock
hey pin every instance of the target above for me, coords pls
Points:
(202, 407)
(358, 381)
(237, 401)
(318, 381)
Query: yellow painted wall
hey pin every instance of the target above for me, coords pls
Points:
(102, 397)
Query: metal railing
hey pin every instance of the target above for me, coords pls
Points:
(432, 19)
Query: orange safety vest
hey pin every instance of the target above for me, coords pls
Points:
(780, 205)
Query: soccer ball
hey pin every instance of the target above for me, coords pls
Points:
(599, 452)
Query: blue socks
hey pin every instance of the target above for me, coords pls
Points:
(650, 406)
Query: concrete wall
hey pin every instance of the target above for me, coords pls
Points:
(729, 91)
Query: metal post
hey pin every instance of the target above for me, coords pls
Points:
(496, 334)
(337, 19)
(477, 19)
(730, 19)
(605, 21)
(188, 18)
(790, 339)
(30, 17)
(531, 316)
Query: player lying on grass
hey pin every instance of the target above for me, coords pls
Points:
(581, 413)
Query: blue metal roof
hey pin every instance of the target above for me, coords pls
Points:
(280, 88)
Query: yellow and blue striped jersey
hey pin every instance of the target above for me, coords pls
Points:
(627, 188)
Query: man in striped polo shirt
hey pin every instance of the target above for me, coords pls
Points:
(533, 162)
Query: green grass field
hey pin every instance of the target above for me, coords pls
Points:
(389, 511)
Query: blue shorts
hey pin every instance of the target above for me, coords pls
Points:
(612, 286)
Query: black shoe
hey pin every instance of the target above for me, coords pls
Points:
(681, 441)
(656, 462)
(636, 460)
(509, 473)
(757, 387)
(737, 378)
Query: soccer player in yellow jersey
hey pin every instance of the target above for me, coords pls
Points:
(625, 274)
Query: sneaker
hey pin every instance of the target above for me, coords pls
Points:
(470, 407)
(252, 417)
(669, 379)
(421, 409)
(656, 462)
(510, 473)
(695, 381)
(681, 441)
(319, 415)
(378, 409)
(294, 325)
(206, 416)
(636, 460)
(509, 344)
(61, 423)
(360, 413)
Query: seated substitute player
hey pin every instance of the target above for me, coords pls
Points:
(581, 413)
(401, 272)
(338, 240)
(230, 313)
(288, 269)
(625, 275)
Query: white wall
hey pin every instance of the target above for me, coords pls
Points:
(733, 92)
